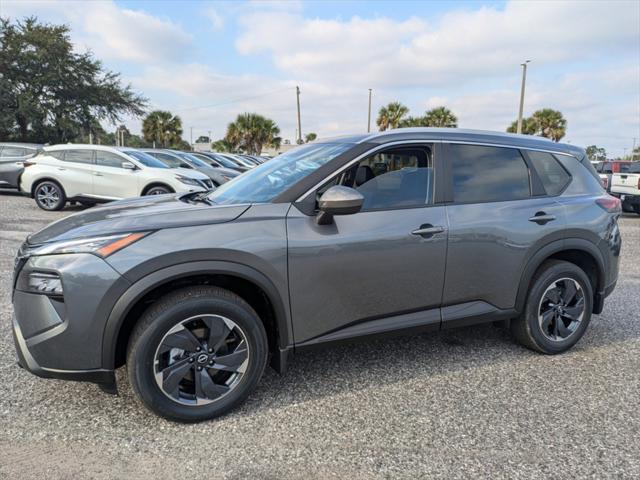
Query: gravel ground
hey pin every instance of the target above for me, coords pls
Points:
(457, 404)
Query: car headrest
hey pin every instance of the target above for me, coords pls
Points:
(363, 175)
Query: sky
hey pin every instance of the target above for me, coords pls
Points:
(208, 61)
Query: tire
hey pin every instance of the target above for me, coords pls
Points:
(164, 332)
(535, 328)
(158, 190)
(628, 208)
(49, 195)
(636, 207)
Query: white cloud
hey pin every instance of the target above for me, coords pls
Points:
(216, 19)
(462, 46)
(113, 33)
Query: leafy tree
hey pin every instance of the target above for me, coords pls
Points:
(528, 126)
(596, 154)
(48, 92)
(440, 117)
(162, 128)
(310, 137)
(251, 132)
(223, 145)
(391, 115)
(409, 122)
(547, 123)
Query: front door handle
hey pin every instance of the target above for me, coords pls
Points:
(541, 218)
(427, 230)
(98, 174)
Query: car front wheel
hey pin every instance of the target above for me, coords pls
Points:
(49, 196)
(196, 354)
(558, 308)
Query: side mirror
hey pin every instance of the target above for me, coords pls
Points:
(129, 166)
(338, 200)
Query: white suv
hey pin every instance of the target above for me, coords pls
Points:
(93, 173)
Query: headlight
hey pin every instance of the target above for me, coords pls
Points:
(188, 180)
(227, 178)
(101, 246)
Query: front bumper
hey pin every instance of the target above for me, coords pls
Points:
(62, 337)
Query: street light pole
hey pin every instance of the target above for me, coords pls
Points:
(299, 126)
(524, 79)
(369, 116)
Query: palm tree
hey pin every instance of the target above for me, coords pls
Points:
(547, 123)
(250, 132)
(391, 115)
(162, 128)
(223, 145)
(550, 124)
(412, 122)
(440, 117)
(310, 137)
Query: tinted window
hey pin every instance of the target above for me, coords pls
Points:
(108, 159)
(59, 154)
(634, 167)
(606, 168)
(624, 167)
(397, 178)
(79, 156)
(146, 159)
(488, 174)
(170, 160)
(14, 152)
(554, 178)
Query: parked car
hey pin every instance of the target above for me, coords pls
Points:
(178, 159)
(401, 231)
(95, 174)
(240, 160)
(216, 160)
(607, 168)
(626, 186)
(12, 158)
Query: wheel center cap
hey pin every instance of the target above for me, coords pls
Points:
(203, 358)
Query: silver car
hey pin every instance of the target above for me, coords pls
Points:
(12, 158)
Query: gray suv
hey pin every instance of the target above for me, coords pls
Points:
(403, 231)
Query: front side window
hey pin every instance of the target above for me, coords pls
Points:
(268, 180)
(488, 174)
(170, 160)
(394, 178)
(108, 159)
(79, 156)
(554, 178)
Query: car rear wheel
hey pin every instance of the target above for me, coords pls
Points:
(558, 308)
(636, 207)
(196, 354)
(49, 196)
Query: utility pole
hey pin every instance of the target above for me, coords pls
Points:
(191, 142)
(633, 150)
(90, 138)
(524, 79)
(369, 116)
(122, 138)
(299, 127)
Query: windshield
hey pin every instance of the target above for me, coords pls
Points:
(146, 159)
(193, 159)
(224, 161)
(265, 182)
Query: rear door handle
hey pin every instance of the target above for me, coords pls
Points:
(62, 169)
(542, 218)
(427, 230)
(98, 174)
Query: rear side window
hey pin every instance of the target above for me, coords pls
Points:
(108, 159)
(554, 178)
(488, 174)
(79, 156)
(59, 154)
(14, 152)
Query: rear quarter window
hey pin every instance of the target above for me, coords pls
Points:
(553, 176)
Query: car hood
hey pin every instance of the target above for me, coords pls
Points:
(139, 214)
(226, 171)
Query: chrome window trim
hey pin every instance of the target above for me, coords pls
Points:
(422, 141)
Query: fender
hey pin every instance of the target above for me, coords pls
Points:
(147, 283)
(549, 249)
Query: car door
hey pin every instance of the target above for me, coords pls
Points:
(75, 172)
(11, 165)
(499, 215)
(377, 270)
(111, 180)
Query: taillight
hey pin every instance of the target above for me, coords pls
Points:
(610, 203)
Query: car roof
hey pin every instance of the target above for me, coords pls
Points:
(458, 135)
